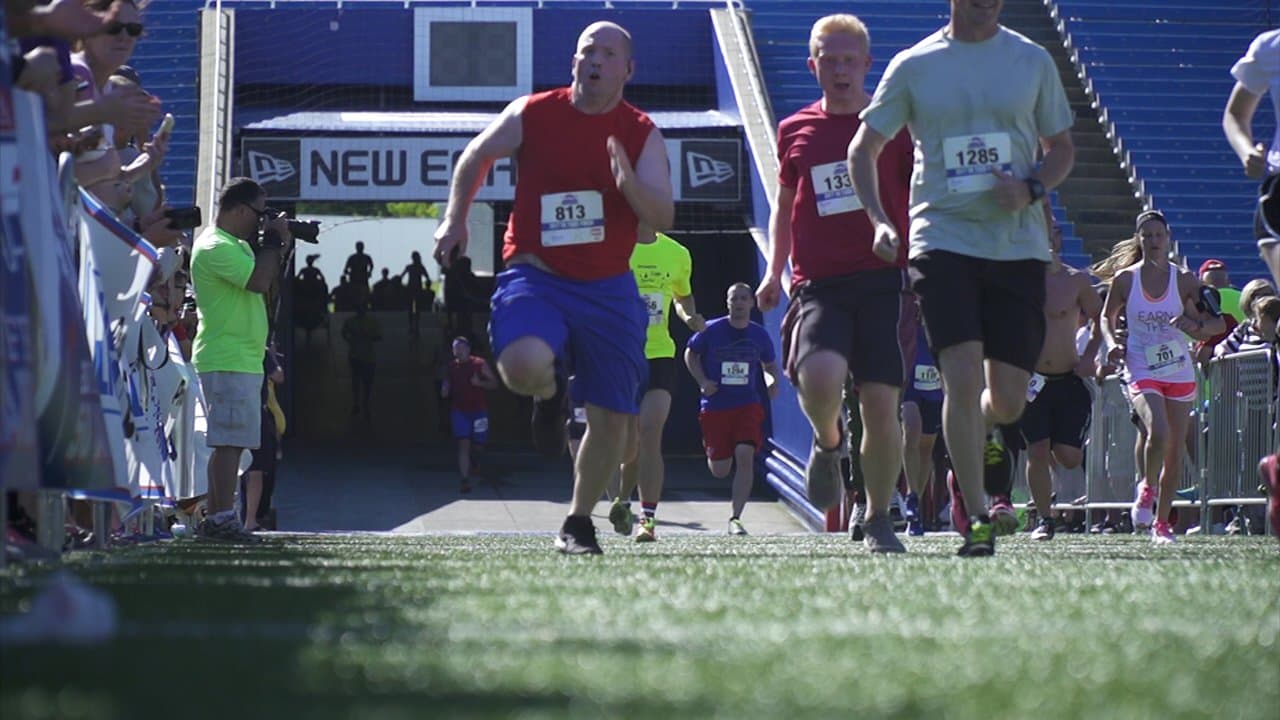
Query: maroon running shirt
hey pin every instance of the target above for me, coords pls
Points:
(830, 233)
(463, 396)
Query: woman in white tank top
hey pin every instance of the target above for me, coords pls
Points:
(1159, 302)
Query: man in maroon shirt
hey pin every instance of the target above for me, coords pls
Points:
(850, 310)
(590, 168)
(469, 378)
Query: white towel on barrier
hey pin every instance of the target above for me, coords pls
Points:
(188, 422)
(150, 467)
(106, 364)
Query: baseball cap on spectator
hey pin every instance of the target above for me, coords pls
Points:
(1211, 264)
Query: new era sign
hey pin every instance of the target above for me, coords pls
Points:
(366, 168)
(708, 171)
(275, 165)
(705, 170)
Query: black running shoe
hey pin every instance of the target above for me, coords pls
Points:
(980, 541)
(997, 476)
(578, 537)
(1045, 530)
(550, 434)
(857, 518)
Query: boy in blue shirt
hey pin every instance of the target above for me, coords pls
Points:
(726, 360)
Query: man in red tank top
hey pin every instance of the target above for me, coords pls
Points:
(850, 310)
(590, 168)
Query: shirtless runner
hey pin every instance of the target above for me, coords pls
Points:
(1056, 420)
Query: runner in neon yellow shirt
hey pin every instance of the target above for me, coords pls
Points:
(663, 269)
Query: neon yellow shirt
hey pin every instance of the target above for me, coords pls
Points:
(662, 269)
(233, 320)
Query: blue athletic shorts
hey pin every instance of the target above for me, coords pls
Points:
(597, 328)
(470, 425)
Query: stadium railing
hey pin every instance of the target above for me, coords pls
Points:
(1234, 422)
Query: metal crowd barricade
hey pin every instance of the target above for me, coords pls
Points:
(1111, 464)
(1111, 472)
(1238, 425)
(1235, 425)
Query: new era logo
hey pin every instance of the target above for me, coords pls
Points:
(264, 168)
(704, 169)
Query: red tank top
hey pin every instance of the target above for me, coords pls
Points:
(563, 166)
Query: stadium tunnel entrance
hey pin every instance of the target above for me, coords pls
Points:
(360, 180)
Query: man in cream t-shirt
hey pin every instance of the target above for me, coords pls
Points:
(980, 101)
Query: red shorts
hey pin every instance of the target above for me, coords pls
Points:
(724, 430)
(1177, 391)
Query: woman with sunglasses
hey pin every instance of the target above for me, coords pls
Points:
(99, 56)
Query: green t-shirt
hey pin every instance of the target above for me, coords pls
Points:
(662, 269)
(972, 107)
(1231, 303)
(233, 320)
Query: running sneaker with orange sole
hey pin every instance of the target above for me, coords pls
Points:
(646, 531)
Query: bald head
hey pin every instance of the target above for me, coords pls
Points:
(605, 29)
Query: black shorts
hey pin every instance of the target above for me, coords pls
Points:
(1060, 413)
(264, 456)
(930, 415)
(662, 375)
(866, 317)
(997, 303)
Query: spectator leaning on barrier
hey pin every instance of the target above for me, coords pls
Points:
(232, 271)
(1246, 334)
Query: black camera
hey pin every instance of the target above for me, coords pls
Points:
(184, 218)
(305, 230)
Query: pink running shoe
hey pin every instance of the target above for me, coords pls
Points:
(1269, 474)
(1143, 510)
(959, 513)
(1162, 533)
(1003, 517)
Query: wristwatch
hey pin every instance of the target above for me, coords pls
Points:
(1036, 188)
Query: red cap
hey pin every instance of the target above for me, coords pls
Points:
(1211, 264)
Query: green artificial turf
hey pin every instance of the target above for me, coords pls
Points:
(693, 626)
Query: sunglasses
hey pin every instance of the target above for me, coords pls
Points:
(115, 28)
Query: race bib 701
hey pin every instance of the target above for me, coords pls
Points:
(1167, 359)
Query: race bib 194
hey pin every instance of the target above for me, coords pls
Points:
(833, 189)
(927, 378)
(572, 218)
(969, 160)
(735, 373)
